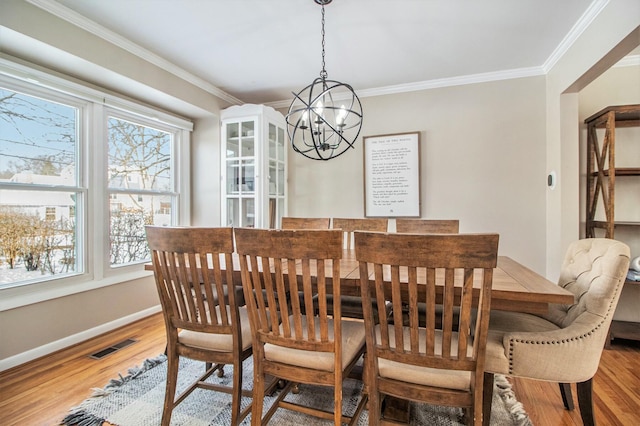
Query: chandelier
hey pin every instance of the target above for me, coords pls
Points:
(325, 118)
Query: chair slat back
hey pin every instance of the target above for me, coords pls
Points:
(190, 273)
(423, 268)
(427, 226)
(293, 258)
(349, 225)
(305, 222)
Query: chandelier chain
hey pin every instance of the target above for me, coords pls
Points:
(323, 73)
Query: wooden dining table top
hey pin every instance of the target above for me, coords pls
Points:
(515, 287)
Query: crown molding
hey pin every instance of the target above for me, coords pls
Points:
(92, 27)
(628, 61)
(583, 23)
(437, 83)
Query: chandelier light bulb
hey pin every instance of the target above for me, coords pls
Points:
(341, 116)
(319, 108)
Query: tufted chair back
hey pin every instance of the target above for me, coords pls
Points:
(593, 270)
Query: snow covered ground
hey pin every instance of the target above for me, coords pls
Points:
(17, 274)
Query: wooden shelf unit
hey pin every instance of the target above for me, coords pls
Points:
(601, 179)
(601, 169)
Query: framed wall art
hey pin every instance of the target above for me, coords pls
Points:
(392, 175)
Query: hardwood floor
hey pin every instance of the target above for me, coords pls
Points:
(41, 392)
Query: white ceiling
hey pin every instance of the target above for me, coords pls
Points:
(258, 51)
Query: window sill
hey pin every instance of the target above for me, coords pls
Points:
(15, 297)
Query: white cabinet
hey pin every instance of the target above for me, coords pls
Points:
(254, 167)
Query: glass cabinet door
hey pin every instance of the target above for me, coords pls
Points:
(240, 174)
(276, 175)
(253, 166)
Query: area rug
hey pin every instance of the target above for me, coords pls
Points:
(137, 399)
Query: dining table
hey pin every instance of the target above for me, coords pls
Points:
(515, 287)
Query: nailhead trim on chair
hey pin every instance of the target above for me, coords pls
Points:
(546, 342)
(553, 342)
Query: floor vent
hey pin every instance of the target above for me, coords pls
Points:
(111, 349)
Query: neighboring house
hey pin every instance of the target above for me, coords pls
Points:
(54, 205)
(48, 205)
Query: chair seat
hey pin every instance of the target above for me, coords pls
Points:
(353, 336)
(501, 322)
(450, 379)
(218, 342)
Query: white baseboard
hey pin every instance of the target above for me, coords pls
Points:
(57, 345)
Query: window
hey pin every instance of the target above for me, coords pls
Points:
(39, 146)
(81, 173)
(141, 175)
(50, 214)
(165, 208)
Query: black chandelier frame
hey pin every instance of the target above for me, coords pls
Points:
(319, 126)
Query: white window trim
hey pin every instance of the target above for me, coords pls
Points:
(98, 274)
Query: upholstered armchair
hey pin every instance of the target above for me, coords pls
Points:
(565, 344)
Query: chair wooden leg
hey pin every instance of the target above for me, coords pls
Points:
(170, 389)
(585, 402)
(567, 397)
(337, 403)
(236, 394)
(375, 407)
(487, 398)
(258, 393)
(477, 410)
(467, 416)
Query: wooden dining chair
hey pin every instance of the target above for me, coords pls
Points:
(315, 349)
(349, 225)
(439, 366)
(565, 344)
(289, 222)
(352, 305)
(199, 324)
(427, 226)
(305, 222)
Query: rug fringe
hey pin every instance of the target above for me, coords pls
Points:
(82, 418)
(148, 364)
(513, 406)
(79, 417)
